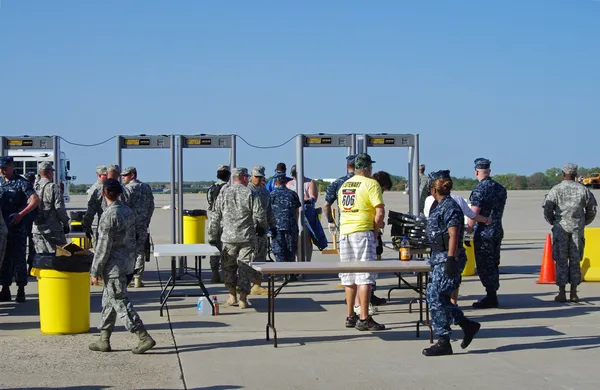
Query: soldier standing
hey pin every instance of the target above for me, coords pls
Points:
(142, 204)
(257, 186)
(30, 177)
(17, 200)
(423, 188)
(281, 167)
(286, 209)
(569, 207)
(52, 222)
(94, 205)
(237, 214)
(114, 259)
(487, 199)
(224, 175)
(3, 234)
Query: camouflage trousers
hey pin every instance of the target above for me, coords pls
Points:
(3, 238)
(45, 239)
(567, 252)
(262, 249)
(487, 260)
(442, 311)
(285, 245)
(115, 302)
(141, 236)
(237, 272)
(14, 266)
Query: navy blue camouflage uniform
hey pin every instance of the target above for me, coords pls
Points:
(490, 197)
(439, 289)
(284, 203)
(331, 193)
(14, 195)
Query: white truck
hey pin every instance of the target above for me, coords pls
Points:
(28, 160)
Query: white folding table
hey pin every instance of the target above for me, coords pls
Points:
(184, 250)
(396, 266)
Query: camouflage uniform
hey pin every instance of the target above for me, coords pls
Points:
(141, 201)
(114, 259)
(94, 206)
(52, 220)
(423, 190)
(569, 207)
(14, 195)
(3, 235)
(263, 196)
(234, 221)
(285, 202)
(490, 197)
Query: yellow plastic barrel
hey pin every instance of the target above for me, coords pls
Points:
(194, 222)
(64, 299)
(590, 265)
(76, 219)
(470, 266)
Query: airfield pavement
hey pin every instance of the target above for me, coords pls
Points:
(529, 342)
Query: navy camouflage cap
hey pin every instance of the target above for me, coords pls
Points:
(482, 163)
(350, 159)
(237, 172)
(5, 161)
(570, 169)
(363, 160)
(279, 176)
(45, 166)
(444, 174)
(30, 175)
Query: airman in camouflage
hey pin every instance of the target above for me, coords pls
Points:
(142, 204)
(445, 231)
(569, 207)
(237, 214)
(331, 194)
(52, 221)
(3, 237)
(488, 199)
(223, 176)
(93, 213)
(114, 259)
(423, 188)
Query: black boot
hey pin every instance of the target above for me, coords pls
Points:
(216, 277)
(5, 294)
(470, 329)
(441, 348)
(20, 294)
(376, 301)
(489, 302)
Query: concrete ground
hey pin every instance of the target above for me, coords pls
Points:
(529, 342)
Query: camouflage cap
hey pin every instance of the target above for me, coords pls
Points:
(363, 160)
(29, 175)
(258, 171)
(482, 163)
(350, 159)
(5, 161)
(237, 172)
(421, 166)
(280, 176)
(101, 170)
(112, 168)
(223, 168)
(445, 174)
(45, 166)
(129, 170)
(570, 169)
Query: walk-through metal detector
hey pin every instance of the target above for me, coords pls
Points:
(35, 142)
(410, 141)
(152, 142)
(320, 140)
(205, 141)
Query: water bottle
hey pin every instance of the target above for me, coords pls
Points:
(404, 250)
(216, 305)
(204, 308)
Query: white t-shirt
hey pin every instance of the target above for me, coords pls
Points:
(466, 209)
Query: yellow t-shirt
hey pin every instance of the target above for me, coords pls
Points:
(357, 199)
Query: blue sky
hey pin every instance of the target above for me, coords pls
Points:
(514, 81)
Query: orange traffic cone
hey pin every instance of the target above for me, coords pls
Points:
(548, 269)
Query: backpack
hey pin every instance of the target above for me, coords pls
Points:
(212, 194)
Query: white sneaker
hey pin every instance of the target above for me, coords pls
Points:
(372, 310)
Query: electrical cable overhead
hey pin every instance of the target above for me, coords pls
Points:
(265, 147)
(88, 145)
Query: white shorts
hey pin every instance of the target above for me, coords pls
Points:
(359, 246)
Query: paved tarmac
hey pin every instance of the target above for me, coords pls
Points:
(529, 342)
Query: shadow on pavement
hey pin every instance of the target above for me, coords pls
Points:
(286, 305)
(579, 343)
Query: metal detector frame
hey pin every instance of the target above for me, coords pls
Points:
(34, 142)
(410, 141)
(310, 141)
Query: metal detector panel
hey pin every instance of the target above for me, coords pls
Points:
(328, 140)
(390, 140)
(146, 142)
(29, 142)
(207, 141)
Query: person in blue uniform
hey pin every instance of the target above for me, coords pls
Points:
(17, 200)
(487, 199)
(280, 168)
(445, 230)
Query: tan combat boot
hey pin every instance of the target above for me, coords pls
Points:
(146, 342)
(102, 345)
(243, 300)
(137, 282)
(232, 301)
(257, 289)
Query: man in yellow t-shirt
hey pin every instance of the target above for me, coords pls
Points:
(361, 215)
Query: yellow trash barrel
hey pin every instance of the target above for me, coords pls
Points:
(64, 293)
(194, 222)
(470, 266)
(590, 265)
(76, 219)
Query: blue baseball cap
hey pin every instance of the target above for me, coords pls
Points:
(5, 161)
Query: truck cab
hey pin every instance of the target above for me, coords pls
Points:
(592, 181)
(28, 160)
